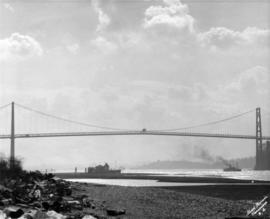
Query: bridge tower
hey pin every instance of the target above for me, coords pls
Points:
(258, 165)
(12, 137)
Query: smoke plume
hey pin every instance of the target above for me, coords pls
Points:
(203, 154)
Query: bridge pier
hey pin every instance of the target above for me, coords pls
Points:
(12, 137)
(259, 151)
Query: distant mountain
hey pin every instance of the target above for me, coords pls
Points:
(244, 163)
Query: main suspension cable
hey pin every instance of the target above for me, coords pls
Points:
(4, 106)
(69, 120)
(210, 123)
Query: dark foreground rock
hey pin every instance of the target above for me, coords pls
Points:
(37, 196)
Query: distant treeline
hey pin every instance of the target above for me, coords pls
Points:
(244, 163)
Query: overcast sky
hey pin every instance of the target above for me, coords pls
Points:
(134, 64)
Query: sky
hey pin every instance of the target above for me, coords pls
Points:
(134, 64)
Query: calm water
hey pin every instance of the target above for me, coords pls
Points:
(244, 174)
(135, 182)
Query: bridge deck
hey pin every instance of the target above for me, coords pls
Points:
(112, 133)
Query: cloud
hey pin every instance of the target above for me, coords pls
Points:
(255, 79)
(19, 46)
(9, 7)
(103, 19)
(173, 14)
(169, 19)
(223, 37)
(247, 90)
(104, 45)
(73, 48)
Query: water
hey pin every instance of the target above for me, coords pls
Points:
(135, 182)
(244, 174)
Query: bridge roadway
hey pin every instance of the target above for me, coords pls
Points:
(142, 132)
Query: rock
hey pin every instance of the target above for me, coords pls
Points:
(51, 198)
(55, 215)
(35, 205)
(3, 188)
(89, 217)
(41, 215)
(2, 215)
(35, 214)
(13, 213)
(37, 194)
(115, 212)
(74, 204)
(29, 215)
(46, 205)
(5, 202)
(22, 205)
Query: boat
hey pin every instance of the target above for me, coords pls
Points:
(102, 170)
(231, 168)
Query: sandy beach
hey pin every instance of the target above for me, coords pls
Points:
(173, 202)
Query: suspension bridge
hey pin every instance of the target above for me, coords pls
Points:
(112, 131)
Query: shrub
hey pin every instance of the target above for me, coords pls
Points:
(6, 171)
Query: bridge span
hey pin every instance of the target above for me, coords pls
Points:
(143, 132)
(111, 131)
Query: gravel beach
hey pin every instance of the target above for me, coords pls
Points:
(173, 202)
